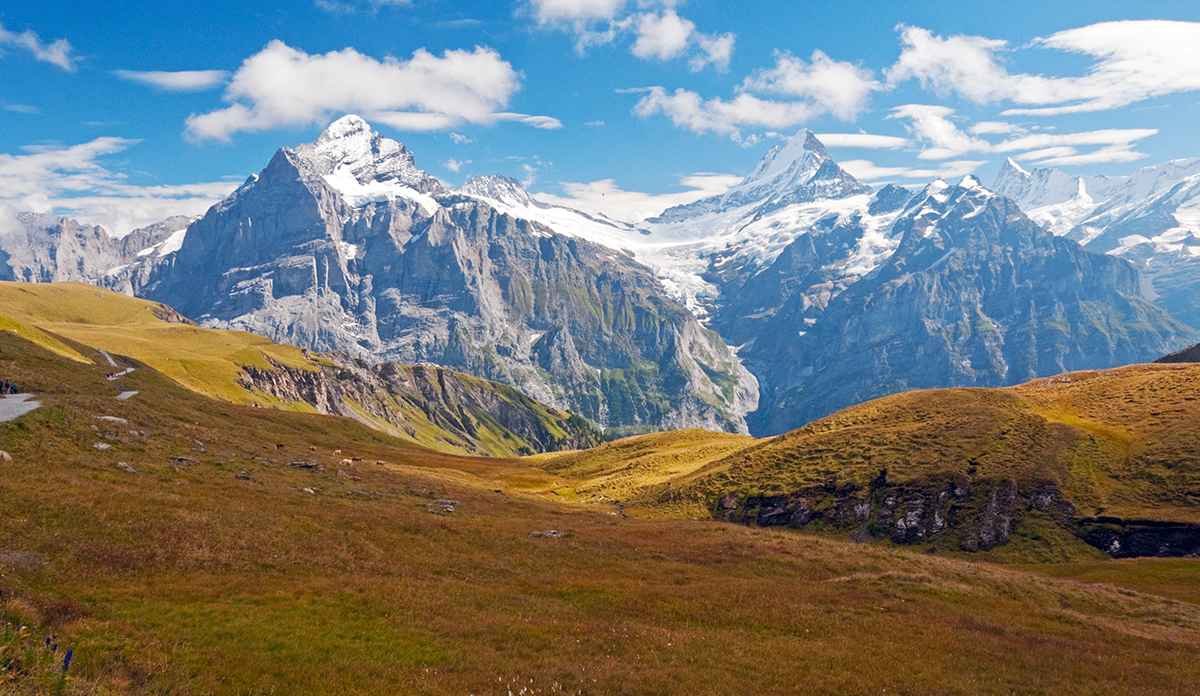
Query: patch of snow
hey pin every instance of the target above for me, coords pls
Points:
(358, 195)
(173, 243)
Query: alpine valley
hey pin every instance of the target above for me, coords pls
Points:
(796, 293)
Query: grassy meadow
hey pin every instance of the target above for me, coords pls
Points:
(209, 564)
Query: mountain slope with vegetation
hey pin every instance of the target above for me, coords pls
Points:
(191, 554)
(434, 406)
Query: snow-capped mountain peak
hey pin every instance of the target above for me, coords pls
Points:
(364, 166)
(499, 189)
(799, 158)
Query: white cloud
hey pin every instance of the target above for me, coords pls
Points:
(1132, 61)
(994, 128)
(542, 122)
(461, 139)
(661, 34)
(575, 11)
(282, 86)
(59, 53)
(689, 110)
(839, 87)
(605, 198)
(931, 123)
(1112, 153)
(1045, 153)
(663, 37)
(183, 81)
(71, 181)
(822, 86)
(865, 170)
(863, 140)
(454, 165)
(22, 109)
(530, 175)
(714, 50)
(1110, 136)
(594, 124)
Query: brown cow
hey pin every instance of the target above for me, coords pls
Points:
(356, 459)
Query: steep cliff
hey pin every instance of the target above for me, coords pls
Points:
(345, 245)
(429, 404)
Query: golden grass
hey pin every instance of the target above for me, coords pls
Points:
(218, 573)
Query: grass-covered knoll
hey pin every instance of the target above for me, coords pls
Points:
(640, 468)
(1017, 469)
(456, 413)
(206, 361)
(214, 567)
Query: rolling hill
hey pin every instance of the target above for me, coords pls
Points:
(172, 545)
(434, 406)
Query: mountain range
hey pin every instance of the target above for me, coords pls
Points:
(832, 293)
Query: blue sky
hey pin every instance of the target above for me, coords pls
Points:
(123, 113)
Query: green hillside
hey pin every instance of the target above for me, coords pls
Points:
(193, 555)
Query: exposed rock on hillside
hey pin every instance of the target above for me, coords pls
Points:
(428, 403)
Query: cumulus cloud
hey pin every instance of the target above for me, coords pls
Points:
(838, 87)
(282, 86)
(715, 50)
(183, 81)
(662, 36)
(931, 124)
(1132, 61)
(604, 197)
(811, 88)
(575, 11)
(72, 181)
(660, 33)
(691, 111)
(59, 52)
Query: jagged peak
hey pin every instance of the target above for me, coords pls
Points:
(498, 187)
(803, 151)
(1011, 165)
(970, 181)
(348, 126)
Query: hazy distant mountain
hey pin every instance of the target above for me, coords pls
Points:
(1151, 218)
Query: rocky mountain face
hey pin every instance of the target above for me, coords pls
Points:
(430, 404)
(1151, 219)
(37, 248)
(836, 295)
(975, 294)
(345, 245)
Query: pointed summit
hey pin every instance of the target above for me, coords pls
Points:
(802, 153)
(347, 126)
(352, 158)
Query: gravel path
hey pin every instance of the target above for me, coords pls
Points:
(16, 405)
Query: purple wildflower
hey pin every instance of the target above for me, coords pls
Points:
(67, 659)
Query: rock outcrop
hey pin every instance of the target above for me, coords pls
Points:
(430, 404)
